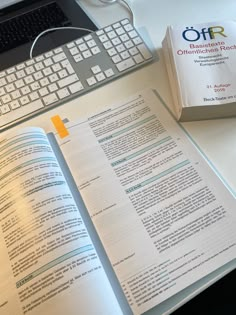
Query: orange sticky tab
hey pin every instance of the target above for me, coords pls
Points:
(60, 127)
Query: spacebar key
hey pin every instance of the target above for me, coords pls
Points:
(20, 112)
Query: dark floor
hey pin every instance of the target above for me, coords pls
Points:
(219, 299)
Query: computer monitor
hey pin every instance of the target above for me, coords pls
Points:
(6, 3)
(16, 41)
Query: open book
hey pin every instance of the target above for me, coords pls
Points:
(143, 217)
(200, 61)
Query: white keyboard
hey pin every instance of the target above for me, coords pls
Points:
(68, 71)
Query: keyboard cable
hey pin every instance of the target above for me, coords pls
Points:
(77, 28)
(126, 4)
(56, 29)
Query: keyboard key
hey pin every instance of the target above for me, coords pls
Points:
(25, 90)
(21, 74)
(107, 45)
(2, 74)
(96, 69)
(24, 100)
(120, 31)
(70, 45)
(59, 57)
(116, 41)
(50, 99)
(44, 91)
(108, 29)
(47, 71)
(126, 64)
(83, 47)
(91, 43)
(117, 25)
(39, 58)
(39, 66)
(79, 41)
(67, 81)
(11, 78)
(48, 62)
(10, 88)
(33, 96)
(133, 51)
(100, 77)
(44, 82)
(56, 67)
(95, 50)
(88, 37)
(2, 91)
(74, 51)
(91, 81)
(6, 99)
(133, 34)
(76, 87)
(120, 48)
(20, 66)
(4, 109)
(146, 54)
(125, 21)
(11, 70)
(99, 32)
(63, 73)
(29, 79)
(111, 34)
(78, 58)
(109, 73)
(63, 93)
(14, 105)
(65, 63)
(49, 54)
(137, 40)
(35, 86)
(124, 37)
(15, 95)
(111, 52)
(53, 87)
(58, 50)
(125, 55)
(19, 83)
(53, 78)
(70, 69)
(30, 70)
(116, 58)
(30, 62)
(38, 75)
(129, 44)
(86, 54)
(103, 38)
(128, 27)
(138, 58)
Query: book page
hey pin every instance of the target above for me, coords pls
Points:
(48, 263)
(164, 217)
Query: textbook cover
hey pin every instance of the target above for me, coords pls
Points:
(201, 65)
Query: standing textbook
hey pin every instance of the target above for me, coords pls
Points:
(201, 65)
(143, 218)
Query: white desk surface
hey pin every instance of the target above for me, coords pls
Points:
(217, 138)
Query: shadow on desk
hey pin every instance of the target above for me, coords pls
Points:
(218, 299)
